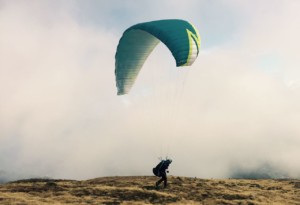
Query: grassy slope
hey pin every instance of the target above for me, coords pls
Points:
(140, 190)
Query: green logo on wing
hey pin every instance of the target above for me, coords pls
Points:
(194, 41)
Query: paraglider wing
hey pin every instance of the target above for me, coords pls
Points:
(138, 41)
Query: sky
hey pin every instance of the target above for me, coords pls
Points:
(234, 112)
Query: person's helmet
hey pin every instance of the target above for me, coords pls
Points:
(169, 161)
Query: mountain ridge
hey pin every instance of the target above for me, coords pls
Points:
(141, 190)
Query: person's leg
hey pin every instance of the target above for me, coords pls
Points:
(159, 181)
(164, 178)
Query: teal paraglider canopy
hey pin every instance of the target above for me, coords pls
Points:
(138, 41)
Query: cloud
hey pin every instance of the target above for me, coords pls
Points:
(53, 77)
(60, 115)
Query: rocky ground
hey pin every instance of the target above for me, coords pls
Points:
(140, 190)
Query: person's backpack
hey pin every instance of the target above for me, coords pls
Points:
(156, 170)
